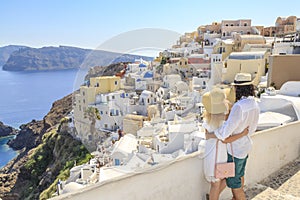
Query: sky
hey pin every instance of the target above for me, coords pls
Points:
(90, 23)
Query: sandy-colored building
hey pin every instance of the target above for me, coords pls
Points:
(283, 68)
(224, 47)
(132, 123)
(241, 40)
(214, 27)
(242, 26)
(245, 62)
(86, 96)
(283, 25)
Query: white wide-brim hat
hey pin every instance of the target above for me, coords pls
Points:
(242, 79)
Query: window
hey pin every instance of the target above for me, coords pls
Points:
(97, 84)
(116, 82)
(231, 24)
(112, 97)
(83, 100)
(148, 100)
(185, 62)
(245, 24)
(101, 112)
(83, 93)
(117, 162)
(226, 24)
(79, 107)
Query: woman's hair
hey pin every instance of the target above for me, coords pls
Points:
(214, 120)
(244, 91)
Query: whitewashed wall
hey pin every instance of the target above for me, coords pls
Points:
(184, 179)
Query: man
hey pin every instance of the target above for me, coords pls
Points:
(244, 113)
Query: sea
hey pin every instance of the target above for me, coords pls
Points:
(25, 96)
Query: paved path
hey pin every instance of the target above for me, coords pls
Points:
(281, 185)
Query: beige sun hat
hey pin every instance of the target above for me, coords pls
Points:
(214, 101)
(230, 94)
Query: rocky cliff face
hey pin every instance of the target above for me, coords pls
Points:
(6, 51)
(17, 176)
(6, 130)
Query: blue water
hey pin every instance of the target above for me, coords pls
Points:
(6, 153)
(29, 95)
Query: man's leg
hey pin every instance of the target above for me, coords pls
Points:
(237, 183)
(238, 194)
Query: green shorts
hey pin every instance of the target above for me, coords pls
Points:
(240, 164)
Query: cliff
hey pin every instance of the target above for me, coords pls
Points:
(63, 57)
(7, 130)
(47, 152)
(46, 58)
(6, 51)
(109, 70)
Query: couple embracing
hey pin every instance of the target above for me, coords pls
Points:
(228, 135)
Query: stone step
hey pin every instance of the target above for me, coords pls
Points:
(270, 194)
(291, 186)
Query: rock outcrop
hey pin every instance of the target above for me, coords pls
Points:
(22, 175)
(7, 130)
(6, 51)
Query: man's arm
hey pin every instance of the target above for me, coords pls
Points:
(230, 138)
(235, 137)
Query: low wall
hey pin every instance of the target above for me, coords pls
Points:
(184, 178)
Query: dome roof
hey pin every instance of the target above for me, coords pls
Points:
(148, 74)
(142, 65)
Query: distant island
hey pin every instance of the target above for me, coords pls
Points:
(59, 58)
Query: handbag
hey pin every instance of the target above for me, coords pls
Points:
(224, 170)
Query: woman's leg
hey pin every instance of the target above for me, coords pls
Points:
(222, 185)
(214, 190)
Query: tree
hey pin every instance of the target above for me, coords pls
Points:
(92, 114)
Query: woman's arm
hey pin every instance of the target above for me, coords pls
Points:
(230, 138)
(233, 138)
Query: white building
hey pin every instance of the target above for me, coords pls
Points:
(111, 109)
(123, 148)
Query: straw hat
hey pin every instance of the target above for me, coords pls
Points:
(215, 101)
(230, 94)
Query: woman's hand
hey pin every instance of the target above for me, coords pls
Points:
(209, 135)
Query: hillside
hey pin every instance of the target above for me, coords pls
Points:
(63, 57)
(48, 153)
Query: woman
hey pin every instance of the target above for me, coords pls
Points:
(216, 109)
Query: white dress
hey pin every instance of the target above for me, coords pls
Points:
(210, 155)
